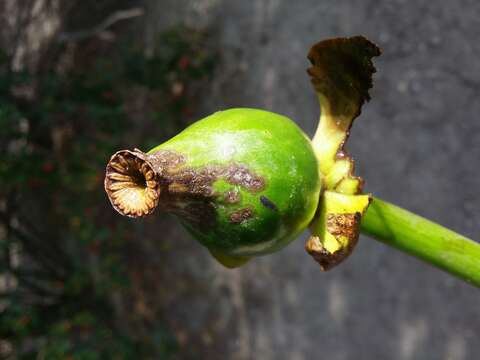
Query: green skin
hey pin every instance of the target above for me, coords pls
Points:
(272, 147)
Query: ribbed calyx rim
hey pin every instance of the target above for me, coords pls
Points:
(131, 184)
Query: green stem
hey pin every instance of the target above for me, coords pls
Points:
(424, 239)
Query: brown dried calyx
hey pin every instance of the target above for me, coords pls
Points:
(132, 184)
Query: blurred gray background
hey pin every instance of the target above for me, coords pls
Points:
(417, 144)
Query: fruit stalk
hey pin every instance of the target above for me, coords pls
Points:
(423, 239)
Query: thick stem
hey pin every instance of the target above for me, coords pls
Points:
(424, 239)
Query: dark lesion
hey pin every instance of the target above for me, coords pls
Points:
(134, 181)
(232, 196)
(345, 225)
(346, 229)
(342, 70)
(241, 215)
(237, 174)
(199, 181)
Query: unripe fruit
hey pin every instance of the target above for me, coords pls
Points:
(244, 182)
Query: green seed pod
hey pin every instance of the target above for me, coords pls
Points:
(247, 182)
(244, 182)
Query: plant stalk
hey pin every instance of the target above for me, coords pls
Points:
(423, 239)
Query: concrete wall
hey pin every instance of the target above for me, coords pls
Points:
(417, 144)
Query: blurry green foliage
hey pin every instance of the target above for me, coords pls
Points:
(63, 250)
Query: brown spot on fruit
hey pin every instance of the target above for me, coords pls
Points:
(163, 160)
(268, 203)
(241, 175)
(232, 197)
(185, 190)
(200, 213)
(241, 215)
(197, 182)
(177, 188)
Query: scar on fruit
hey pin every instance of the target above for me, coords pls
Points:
(268, 203)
